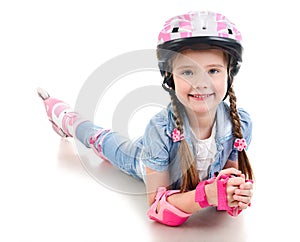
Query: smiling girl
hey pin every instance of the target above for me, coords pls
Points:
(193, 153)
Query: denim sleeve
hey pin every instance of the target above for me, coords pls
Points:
(246, 125)
(233, 155)
(156, 143)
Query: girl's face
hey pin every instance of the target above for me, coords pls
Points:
(200, 78)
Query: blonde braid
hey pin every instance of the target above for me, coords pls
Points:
(243, 161)
(190, 177)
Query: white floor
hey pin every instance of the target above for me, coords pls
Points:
(46, 194)
(49, 196)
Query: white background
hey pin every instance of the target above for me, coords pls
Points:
(46, 194)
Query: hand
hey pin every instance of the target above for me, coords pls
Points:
(243, 195)
(239, 192)
(232, 184)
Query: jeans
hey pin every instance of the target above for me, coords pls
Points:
(120, 151)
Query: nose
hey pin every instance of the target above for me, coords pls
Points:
(200, 80)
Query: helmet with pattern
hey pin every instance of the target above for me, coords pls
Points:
(198, 30)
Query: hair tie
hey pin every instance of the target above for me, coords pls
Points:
(240, 144)
(177, 136)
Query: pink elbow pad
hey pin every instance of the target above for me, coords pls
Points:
(167, 214)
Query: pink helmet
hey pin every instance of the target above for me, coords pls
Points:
(199, 30)
(198, 24)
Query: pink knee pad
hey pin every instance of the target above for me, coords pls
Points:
(167, 214)
(94, 138)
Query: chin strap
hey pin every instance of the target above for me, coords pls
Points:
(167, 214)
(222, 180)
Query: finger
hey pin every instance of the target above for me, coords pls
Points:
(246, 186)
(230, 190)
(233, 203)
(242, 205)
(247, 193)
(236, 181)
(230, 171)
(243, 199)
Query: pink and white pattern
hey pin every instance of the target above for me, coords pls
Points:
(177, 136)
(196, 24)
(240, 144)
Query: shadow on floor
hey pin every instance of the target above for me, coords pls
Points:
(206, 225)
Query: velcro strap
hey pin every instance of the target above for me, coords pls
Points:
(200, 195)
(94, 138)
(222, 194)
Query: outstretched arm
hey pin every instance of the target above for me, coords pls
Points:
(177, 206)
(186, 201)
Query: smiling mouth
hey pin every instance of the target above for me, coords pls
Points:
(200, 96)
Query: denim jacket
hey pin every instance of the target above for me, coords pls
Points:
(160, 153)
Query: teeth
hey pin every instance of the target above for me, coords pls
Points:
(199, 95)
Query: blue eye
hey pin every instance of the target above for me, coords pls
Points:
(213, 71)
(187, 73)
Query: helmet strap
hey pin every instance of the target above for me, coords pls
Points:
(229, 84)
(168, 83)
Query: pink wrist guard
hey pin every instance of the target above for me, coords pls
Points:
(167, 214)
(200, 195)
(222, 196)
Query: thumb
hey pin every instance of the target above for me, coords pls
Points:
(230, 171)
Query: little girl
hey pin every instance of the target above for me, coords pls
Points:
(192, 154)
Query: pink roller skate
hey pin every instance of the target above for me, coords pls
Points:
(59, 114)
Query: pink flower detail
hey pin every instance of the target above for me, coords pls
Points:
(177, 136)
(240, 144)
